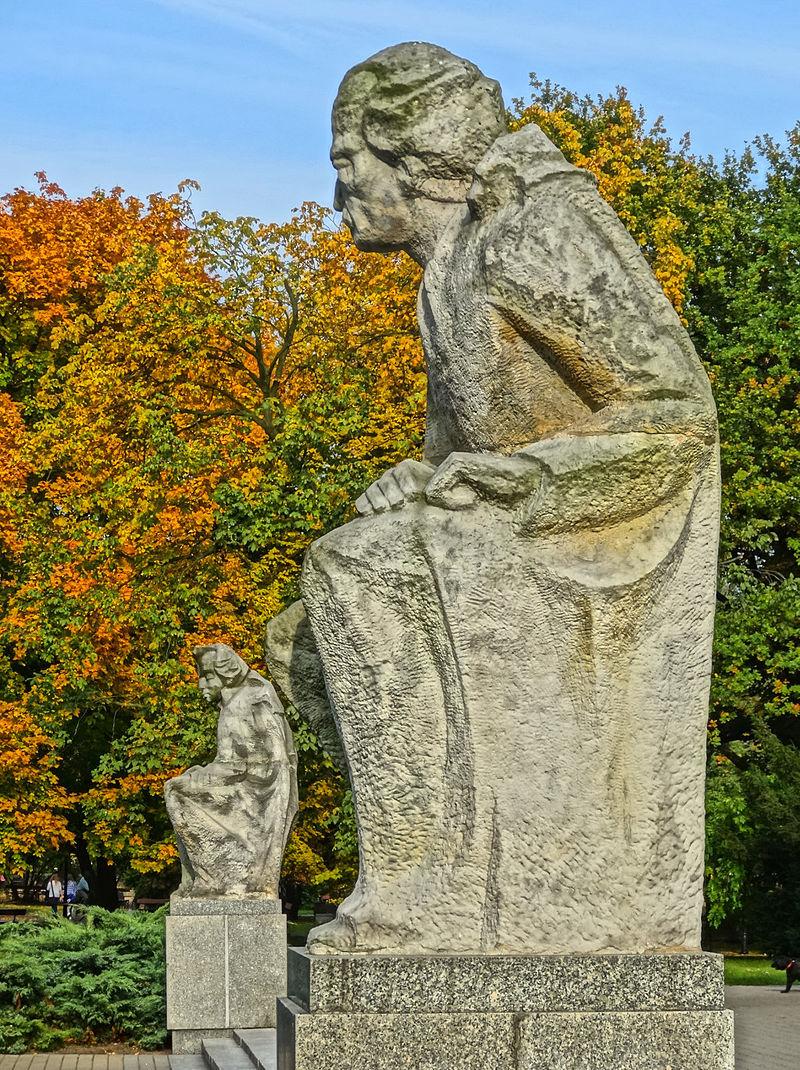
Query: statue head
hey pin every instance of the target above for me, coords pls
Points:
(218, 666)
(410, 125)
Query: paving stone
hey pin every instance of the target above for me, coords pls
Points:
(187, 1062)
(767, 1026)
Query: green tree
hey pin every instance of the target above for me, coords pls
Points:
(723, 241)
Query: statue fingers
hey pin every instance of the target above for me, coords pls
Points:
(363, 505)
(391, 489)
(412, 478)
(377, 499)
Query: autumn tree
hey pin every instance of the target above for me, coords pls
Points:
(215, 399)
(188, 404)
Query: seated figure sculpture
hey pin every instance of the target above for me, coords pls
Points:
(513, 639)
(232, 817)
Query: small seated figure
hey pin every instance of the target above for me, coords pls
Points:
(232, 817)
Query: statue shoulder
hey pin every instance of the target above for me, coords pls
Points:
(514, 167)
(258, 691)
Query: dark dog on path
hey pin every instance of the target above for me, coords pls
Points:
(792, 967)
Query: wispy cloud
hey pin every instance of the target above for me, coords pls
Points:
(701, 38)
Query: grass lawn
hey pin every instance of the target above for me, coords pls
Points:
(752, 970)
(298, 930)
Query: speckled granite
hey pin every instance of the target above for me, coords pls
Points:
(179, 905)
(501, 983)
(634, 1040)
(542, 1012)
(394, 1041)
(662, 1040)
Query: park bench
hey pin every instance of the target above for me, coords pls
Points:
(12, 912)
(149, 904)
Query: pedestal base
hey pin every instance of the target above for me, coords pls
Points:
(226, 964)
(538, 1012)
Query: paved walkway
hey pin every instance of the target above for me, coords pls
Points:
(767, 1026)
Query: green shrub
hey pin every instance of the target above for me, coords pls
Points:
(66, 982)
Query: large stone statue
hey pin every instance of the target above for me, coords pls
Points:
(513, 639)
(232, 818)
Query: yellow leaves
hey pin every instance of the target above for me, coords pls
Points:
(649, 186)
(32, 802)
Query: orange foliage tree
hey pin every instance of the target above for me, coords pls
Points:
(188, 406)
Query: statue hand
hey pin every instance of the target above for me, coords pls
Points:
(406, 482)
(462, 478)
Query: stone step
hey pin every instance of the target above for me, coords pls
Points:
(261, 1045)
(187, 1062)
(220, 1053)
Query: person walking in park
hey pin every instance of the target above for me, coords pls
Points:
(70, 896)
(82, 891)
(53, 893)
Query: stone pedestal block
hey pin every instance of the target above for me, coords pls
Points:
(537, 1012)
(226, 964)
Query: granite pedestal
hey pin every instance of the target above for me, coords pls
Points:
(226, 964)
(535, 1012)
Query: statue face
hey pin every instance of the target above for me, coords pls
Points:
(369, 194)
(209, 682)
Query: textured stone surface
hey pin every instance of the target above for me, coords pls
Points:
(638, 1040)
(190, 1041)
(394, 1041)
(515, 635)
(232, 818)
(224, 972)
(497, 983)
(292, 656)
(253, 907)
(661, 1040)
(256, 969)
(196, 988)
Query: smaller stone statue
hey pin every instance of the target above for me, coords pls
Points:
(232, 818)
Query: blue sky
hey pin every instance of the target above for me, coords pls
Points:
(236, 94)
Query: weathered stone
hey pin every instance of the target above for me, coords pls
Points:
(394, 1041)
(196, 983)
(515, 636)
(224, 970)
(661, 1040)
(450, 984)
(183, 905)
(190, 1041)
(291, 653)
(569, 1012)
(232, 818)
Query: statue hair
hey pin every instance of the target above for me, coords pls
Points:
(396, 99)
(230, 668)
